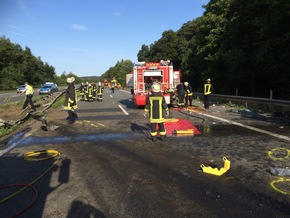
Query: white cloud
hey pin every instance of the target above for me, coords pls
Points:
(78, 27)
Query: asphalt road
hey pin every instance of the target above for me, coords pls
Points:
(109, 168)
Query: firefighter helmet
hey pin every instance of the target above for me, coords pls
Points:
(186, 83)
(156, 88)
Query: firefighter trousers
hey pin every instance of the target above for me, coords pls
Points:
(162, 130)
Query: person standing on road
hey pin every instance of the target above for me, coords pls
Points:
(94, 91)
(156, 107)
(188, 94)
(29, 94)
(113, 84)
(82, 91)
(180, 94)
(100, 92)
(208, 89)
(70, 102)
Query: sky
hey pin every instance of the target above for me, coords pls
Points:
(87, 37)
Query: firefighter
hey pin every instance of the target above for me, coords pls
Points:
(82, 91)
(180, 94)
(29, 94)
(100, 92)
(156, 107)
(208, 89)
(90, 92)
(188, 94)
(113, 84)
(70, 102)
(94, 91)
(86, 91)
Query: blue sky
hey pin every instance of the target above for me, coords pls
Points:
(87, 37)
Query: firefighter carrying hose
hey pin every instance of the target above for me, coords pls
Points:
(156, 107)
(100, 92)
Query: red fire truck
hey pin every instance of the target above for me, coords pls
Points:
(145, 74)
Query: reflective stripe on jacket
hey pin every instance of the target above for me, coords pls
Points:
(70, 98)
(156, 105)
(207, 88)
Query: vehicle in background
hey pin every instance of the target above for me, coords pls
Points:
(146, 74)
(48, 88)
(20, 88)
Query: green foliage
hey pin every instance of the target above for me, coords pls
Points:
(59, 102)
(18, 66)
(119, 71)
(239, 44)
(5, 131)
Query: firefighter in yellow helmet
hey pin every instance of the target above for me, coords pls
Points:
(70, 101)
(156, 107)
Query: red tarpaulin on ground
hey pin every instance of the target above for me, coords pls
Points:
(172, 125)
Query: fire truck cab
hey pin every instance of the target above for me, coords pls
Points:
(147, 73)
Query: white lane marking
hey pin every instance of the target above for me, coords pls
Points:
(248, 127)
(111, 96)
(125, 112)
(124, 91)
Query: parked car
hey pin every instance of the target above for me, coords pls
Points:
(20, 88)
(47, 89)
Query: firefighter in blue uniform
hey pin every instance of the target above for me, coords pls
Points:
(156, 107)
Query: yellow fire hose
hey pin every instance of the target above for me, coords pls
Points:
(33, 156)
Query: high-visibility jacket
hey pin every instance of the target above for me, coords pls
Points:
(29, 90)
(156, 106)
(113, 83)
(208, 89)
(100, 90)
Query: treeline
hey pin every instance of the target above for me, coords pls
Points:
(241, 45)
(18, 65)
(119, 71)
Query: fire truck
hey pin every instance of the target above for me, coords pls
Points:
(147, 73)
